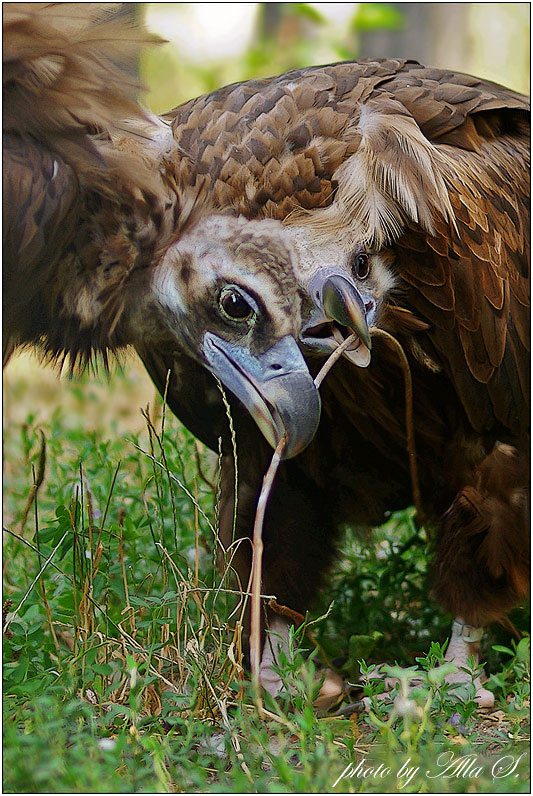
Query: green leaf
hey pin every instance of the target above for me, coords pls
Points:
(522, 650)
(307, 11)
(102, 668)
(377, 16)
(114, 711)
(51, 534)
(499, 648)
(131, 662)
(14, 673)
(32, 614)
(65, 547)
(402, 674)
(362, 646)
(436, 676)
(138, 601)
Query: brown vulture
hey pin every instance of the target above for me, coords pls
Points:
(405, 191)
(100, 252)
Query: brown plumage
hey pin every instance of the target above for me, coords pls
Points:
(389, 150)
(69, 88)
(481, 547)
(426, 172)
(100, 249)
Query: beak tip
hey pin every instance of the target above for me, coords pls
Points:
(343, 302)
(286, 405)
(301, 421)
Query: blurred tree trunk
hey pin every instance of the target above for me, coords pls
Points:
(433, 33)
(489, 39)
(269, 22)
(278, 22)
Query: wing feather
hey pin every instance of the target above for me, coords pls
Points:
(70, 97)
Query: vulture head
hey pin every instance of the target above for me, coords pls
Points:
(225, 296)
(346, 290)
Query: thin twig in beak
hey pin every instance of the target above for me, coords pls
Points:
(333, 357)
(409, 423)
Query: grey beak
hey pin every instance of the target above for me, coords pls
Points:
(275, 386)
(342, 302)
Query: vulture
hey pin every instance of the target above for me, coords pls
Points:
(100, 252)
(265, 223)
(404, 191)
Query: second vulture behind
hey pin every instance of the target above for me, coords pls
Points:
(405, 191)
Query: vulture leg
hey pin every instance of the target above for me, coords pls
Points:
(482, 562)
(482, 554)
(276, 641)
(464, 642)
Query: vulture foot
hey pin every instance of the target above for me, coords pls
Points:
(464, 642)
(277, 640)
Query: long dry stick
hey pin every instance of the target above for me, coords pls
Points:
(330, 361)
(409, 424)
(257, 554)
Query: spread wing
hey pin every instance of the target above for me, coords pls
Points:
(68, 85)
(391, 152)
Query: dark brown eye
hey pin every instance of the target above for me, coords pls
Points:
(235, 306)
(361, 265)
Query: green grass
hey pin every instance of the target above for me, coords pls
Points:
(123, 662)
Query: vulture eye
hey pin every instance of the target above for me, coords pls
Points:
(361, 265)
(234, 306)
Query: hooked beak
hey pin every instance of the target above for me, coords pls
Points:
(275, 387)
(340, 311)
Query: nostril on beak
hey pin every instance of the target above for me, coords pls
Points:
(276, 366)
(369, 306)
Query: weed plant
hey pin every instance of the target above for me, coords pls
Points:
(123, 658)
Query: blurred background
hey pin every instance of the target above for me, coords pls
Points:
(212, 44)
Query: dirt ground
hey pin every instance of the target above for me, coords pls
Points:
(96, 402)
